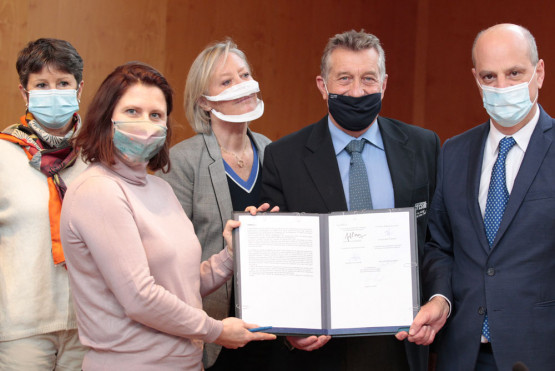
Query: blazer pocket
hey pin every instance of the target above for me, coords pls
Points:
(546, 304)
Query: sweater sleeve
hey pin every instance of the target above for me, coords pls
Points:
(101, 217)
(215, 271)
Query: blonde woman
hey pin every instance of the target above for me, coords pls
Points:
(219, 170)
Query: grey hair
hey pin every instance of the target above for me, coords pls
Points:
(532, 47)
(355, 41)
(198, 81)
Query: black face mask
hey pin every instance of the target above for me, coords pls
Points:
(354, 113)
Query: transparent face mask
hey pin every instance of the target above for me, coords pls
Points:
(237, 91)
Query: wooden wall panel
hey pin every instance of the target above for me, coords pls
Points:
(453, 102)
(284, 41)
(427, 45)
(13, 35)
(106, 33)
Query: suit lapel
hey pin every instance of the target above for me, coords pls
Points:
(218, 178)
(540, 141)
(321, 165)
(475, 157)
(400, 161)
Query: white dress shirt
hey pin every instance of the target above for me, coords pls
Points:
(514, 157)
(512, 163)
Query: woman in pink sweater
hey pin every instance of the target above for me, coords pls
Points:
(132, 254)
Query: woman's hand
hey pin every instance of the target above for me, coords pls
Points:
(264, 207)
(236, 334)
(228, 234)
(232, 224)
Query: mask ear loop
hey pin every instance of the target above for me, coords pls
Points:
(27, 102)
(534, 74)
(529, 81)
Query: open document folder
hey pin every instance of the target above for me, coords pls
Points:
(346, 273)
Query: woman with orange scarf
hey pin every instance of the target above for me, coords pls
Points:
(37, 320)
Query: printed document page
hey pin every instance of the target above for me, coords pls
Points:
(370, 270)
(279, 260)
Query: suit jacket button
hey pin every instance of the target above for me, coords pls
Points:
(491, 271)
(481, 311)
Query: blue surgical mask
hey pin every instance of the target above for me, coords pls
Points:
(138, 141)
(508, 106)
(53, 108)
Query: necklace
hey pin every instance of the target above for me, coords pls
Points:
(239, 160)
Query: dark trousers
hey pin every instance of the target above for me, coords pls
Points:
(383, 353)
(255, 356)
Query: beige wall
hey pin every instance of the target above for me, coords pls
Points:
(427, 46)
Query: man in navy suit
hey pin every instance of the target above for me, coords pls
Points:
(308, 171)
(495, 291)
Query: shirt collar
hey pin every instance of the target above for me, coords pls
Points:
(340, 139)
(521, 137)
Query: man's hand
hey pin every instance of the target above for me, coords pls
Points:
(308, 343)
(429, 320)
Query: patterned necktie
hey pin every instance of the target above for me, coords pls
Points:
(498, 196)
(359, 188)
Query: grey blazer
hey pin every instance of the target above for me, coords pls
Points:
(198, 179)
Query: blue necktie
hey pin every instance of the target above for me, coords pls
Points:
(498, 196)
(359, 188)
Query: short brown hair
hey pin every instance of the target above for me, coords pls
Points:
(95, 136)
(56, 53)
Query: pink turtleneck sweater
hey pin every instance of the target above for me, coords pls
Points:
(135, 272)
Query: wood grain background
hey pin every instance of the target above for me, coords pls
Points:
(427, 46)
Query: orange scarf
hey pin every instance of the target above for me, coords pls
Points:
(51, 162)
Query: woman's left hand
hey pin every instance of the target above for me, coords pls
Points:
(229, 227)
(264, 207)
(232, 224)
